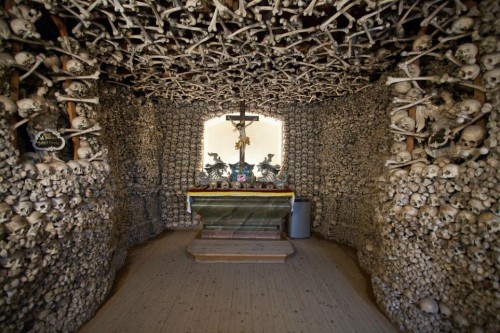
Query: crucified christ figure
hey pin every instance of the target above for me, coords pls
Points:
(243, 139)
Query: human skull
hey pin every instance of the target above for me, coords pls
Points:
(431, 171)
(459, 200)
(403, 157)
(488, 44)
(16, 226)
(417, 200)
(399, 137)
(447, 213)
(413, 69)
(27, 107)
(491, 78)
(75, 167)
(417, 168)
(476, 206)
(74, 66)
(422, 43)
(52, 62)
(84, 152)
(467, 53)
(43, 206)
(427, 212)
(466, 108)
(489, 61)
(409, 213)
(76, 89)
(60, 203)
(5, 212)
(461, 25)
(466, 218)
(472, 136)
(469, 72)
(25, 59)
(23, 208)
(429, 305)
(59, 168)
(7, 104)
(25, 12)
(80, 123)
(29, 169)
(401, 199)
(86, 166)
(414, 94)
(450, 171)
(434, 200)
(36, 218)
(74, 201)
(43, 170)
(24, 28)
(407, 124)
(401, 87)
(418, 153)
(489, 221)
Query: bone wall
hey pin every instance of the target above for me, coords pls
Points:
(156, 149)
(354, 139)
(437, 256)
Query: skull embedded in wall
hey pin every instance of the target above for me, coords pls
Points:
(414, 94)
(409, 213)
(406, 124)
(43, 206)
(467, 53)
(491, 78)
(80, 123)
(459, 200)
(417, 200)
(461, 25)
(401, 87)
(434, 200)
(76, 89)
(431, 171)
(17, 225)
(465, 217)
(488, 45)
(466, 108)
(469, 72)
(74, 66)
(5, 212)
(403, 157)
(490, 222)
(75, 167)
(476, 206)
(447, 213)
(24, 28)
(417, 168)
(60, 203)
(472, 136)
(490, 61)
(422, 43)
(418, 153)
(401, 199)
(450, 171)
(23, 208)
(427, 212)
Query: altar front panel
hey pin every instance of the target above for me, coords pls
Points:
(242, 214)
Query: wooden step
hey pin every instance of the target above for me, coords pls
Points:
(240, 234)
(238, 251)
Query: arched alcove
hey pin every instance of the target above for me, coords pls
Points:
(266, 137)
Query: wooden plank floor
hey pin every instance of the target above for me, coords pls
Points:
(319, 289)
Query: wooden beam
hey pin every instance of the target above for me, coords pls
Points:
(71, 106)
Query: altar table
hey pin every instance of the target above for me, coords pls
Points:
(254, 213)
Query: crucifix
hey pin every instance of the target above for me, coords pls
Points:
(243, 140)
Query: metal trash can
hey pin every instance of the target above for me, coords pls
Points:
(299, 225)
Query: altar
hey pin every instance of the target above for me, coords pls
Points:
(249, 214)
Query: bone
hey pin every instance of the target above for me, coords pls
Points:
(61, 98)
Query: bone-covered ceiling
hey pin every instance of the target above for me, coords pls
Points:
(265, 51)
(262, 50)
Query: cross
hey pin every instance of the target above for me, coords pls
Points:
(242, 119)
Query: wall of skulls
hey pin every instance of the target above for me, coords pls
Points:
(354, 141)
(166, 143)
(439, 222)
(58, 243)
